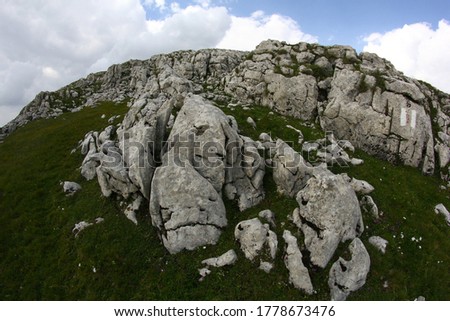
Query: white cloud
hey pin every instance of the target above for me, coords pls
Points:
(418, 50)
(45, 45)
(247, 32)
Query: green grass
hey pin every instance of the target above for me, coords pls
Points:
(41, 260)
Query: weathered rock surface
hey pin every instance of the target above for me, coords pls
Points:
(441, 209)
(203, 136)
(71, 188)
(328, 214)
(298, 273)
(81, 226)
(185, 208)
(379, 243)
(269, 216)
(369, 206)
(349, 276)
(132, 208)
(228, 258)
(256, 239)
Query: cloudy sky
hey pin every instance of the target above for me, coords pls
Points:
(46, 44)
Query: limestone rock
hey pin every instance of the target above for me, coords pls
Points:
(204, 137)
(298, 273)
(269, 216)
(79, 227)
(368, 205)
(204, 272)
(131, 209)
(185, 208)
(265, 266)
(71, 188)
(251, 122)
(329, 213)
(379, 243)
(254, 238)
(441, 209)
(290, 172)
(359, 186)
(228, 258)
(349, 276)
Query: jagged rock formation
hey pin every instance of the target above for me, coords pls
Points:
(360, 97)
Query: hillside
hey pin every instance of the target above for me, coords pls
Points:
(297, 94)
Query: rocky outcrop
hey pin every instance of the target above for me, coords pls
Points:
(360, 98)
(379, 243)
(349, 276)
(204, 137)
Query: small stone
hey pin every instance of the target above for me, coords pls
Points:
(265, 266)
(379, 243)
(228, 258)
(71, 188)
(441, 209)
(251, 122)
(203, 273)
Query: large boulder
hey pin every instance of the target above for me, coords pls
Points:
(328, 214)
(391, 122)
(206, 138)
(349, 276)
(185, 208)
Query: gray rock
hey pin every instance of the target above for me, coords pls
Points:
(368, 205)
(441, 209)
(349, 276)
(228, 258)
(298, 273)
(131, 209)
(255, 238)
(265, 138)
(379, 243)
(329, 213)
(359, 186)
(186, 208)
(71, 188)
(444, 154)
(290, 172)
(265, 266)
(269, 216)
(251, 122)
(309, 147)
(79, 227)
(203, 137)
(204, 272)
(388, 124)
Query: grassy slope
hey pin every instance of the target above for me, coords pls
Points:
(40, 258)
